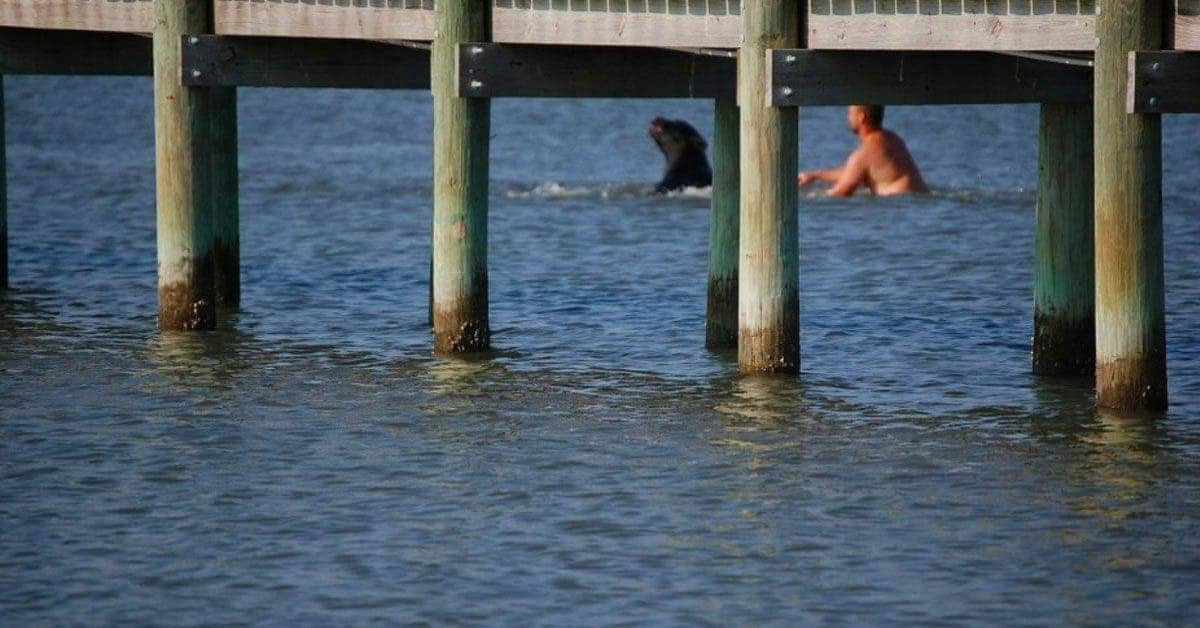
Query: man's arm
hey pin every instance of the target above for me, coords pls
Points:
(829, 176)
(852, 175)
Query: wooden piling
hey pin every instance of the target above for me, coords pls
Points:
(460, 185)
(769, 264)
(3, 195)
(1064, 333)
(1131, 368)
(226, 240)
(186, 294)
(721, 327)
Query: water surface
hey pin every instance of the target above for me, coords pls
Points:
(310, 462)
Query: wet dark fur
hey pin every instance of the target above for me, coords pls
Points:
(683, 147)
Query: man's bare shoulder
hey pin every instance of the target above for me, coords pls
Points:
(891, 139)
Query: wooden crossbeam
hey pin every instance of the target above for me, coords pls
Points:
(31, 51)
(539, 71)
(228, 61)
(1163, 82)
(127, 16)
(826, 77)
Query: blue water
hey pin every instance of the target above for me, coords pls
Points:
(311, 463)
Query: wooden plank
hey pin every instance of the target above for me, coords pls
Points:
(1131, 347)
(1187, 32)
(812, 77)
(183, 183)
(1064, 331)
(31, 51)
(721, 321)
(86, 15)
(768, 199)
(217, 60)
(1163, 82)
(520, 70)
(461, 141)
(292, 19)
(978, 32)
(603, 28)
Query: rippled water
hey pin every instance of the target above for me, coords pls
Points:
(310, 462)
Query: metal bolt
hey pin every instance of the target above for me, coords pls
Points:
(195, 73)
(476, 50)
(476, 84)
(787, 91)
(1153, 102)
(193, 40)
(1154, 67)
(790, 58)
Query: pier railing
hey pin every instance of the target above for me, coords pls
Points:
(977, 25)
(758, 60)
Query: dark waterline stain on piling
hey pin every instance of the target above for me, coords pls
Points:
(462, 326)
(779, 341)
(1135, 383)
(190, 305)
(1062, 346)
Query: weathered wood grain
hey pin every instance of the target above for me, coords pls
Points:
(951, 32)
(1163, 82)
(721, 325)
(602, 28)
(810, 77)
(769, 249)
(294, 19)
(1187, 32)
(1131, 369)
(182, 132)
(80, 15)
(227, 266)
(460, 186)
(293, 62)
(518, 70)
(31, 51)
(1064, 331)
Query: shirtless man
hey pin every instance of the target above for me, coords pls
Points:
(881, 163)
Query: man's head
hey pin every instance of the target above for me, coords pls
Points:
(864, 118)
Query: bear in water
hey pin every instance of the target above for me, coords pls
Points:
(683, 147)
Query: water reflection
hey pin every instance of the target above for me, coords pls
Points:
(206, 360)
(763, 398)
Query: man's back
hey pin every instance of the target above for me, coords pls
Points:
(889, 168)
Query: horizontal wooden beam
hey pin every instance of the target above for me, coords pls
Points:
(615, 28)
(342, 20)
(226, 61)
(1187, 32)
(1163, 82)
(828, 77)
(129, 16)
(31, 51)
(537, 71)
(964, 32)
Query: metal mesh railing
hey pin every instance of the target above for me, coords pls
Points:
(953, 7)
(666, 7)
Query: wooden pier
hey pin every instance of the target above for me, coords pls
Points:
(1098, 294)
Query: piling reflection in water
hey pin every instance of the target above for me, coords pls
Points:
(319, 465)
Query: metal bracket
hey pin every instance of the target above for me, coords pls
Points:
(828, 77)
(1163, 82)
